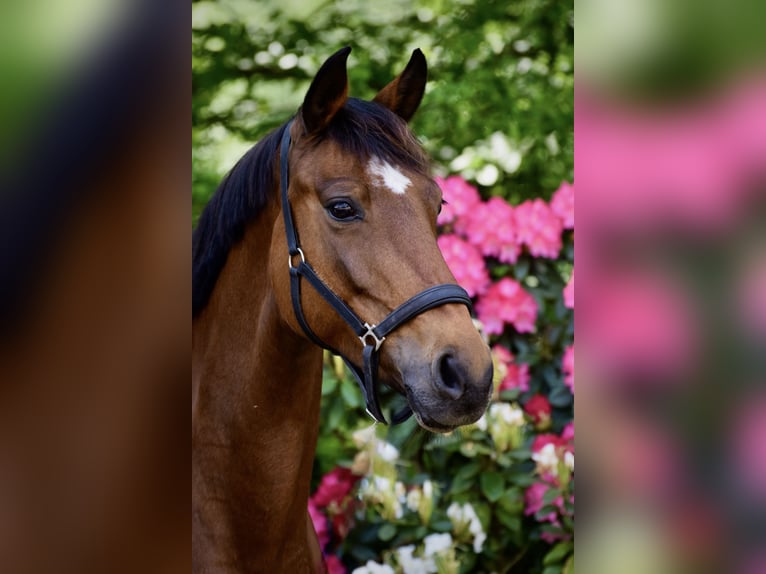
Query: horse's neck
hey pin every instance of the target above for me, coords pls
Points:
(255, 416)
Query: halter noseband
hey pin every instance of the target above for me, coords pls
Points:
(371, 336)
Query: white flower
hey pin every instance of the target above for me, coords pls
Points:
(435, 543)
(363, 436)
(487, 175)
(481, 424)
(569, 460)
(373, 568)
(478, 540)
(510, 414)
(546, 458)
(466, 516)
(413, 499)
(428, 489)
(381, 483)
(387, 451)
(412, 564)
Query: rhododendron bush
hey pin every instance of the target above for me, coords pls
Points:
(498, 495)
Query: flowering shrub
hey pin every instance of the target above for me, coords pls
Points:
(496, 496)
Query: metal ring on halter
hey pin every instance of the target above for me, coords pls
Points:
(371, 333)
(291, 255)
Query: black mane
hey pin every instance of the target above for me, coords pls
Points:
(362, 128)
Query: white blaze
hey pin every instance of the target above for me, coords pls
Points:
(391, 177)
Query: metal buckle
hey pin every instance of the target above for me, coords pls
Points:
(371, 333)
(291, 255)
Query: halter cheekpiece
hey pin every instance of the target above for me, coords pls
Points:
(371, 336)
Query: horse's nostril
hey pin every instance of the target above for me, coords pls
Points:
(448, 379)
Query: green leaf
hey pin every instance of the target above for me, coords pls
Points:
(521, 268)
(492, 485)
(468, 470)
(462, 483)
(387, 532)
(558, 552)
(350, 394)
(510, 521)
(329, 384)
(335, 415)
(560, 396)
(550, 496)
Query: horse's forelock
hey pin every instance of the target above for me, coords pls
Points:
(367, 129)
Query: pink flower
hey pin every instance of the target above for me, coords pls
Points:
(466, 264)
(539, 409)
(748, 445)
(516, 374)
(491, 227)
(334, 565)
(334, 487)
(506, 302)
(533, 498)
(460, 197)
(320, 524)
(569, 294)
(538, 228)
(533, 503)
(567, 367)
(562, 204)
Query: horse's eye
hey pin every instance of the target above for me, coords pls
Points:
(342, 210)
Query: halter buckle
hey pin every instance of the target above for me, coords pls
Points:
(371, 333)
(290, 256)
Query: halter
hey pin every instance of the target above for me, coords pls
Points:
(371, 336)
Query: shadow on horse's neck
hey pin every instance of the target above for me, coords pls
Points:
(255, 417)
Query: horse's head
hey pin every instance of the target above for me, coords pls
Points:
(365, 208)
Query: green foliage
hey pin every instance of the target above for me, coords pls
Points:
(494, 67)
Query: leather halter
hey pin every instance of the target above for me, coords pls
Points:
(371, 336)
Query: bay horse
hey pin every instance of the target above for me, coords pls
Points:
(329, 219)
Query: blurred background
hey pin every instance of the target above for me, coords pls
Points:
(94, 287)
(671, 159)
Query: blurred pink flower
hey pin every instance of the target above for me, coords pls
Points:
(567, 367)
(562, 204)
(689, 169)
(569, 294)
(334, 487)
(506, 302)
(320, 524)
(491, 227)
(334, 565)
(533, 498)
(748, 445)
(538, 408)
(533, 503)
(642, 324)
(516, 374)
(460, 197)
(751, 296)
(466, 264)
(538, 228)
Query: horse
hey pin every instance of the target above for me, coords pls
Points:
(324, 226)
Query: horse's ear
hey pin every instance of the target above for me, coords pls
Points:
(328, 92)
(402, 96)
